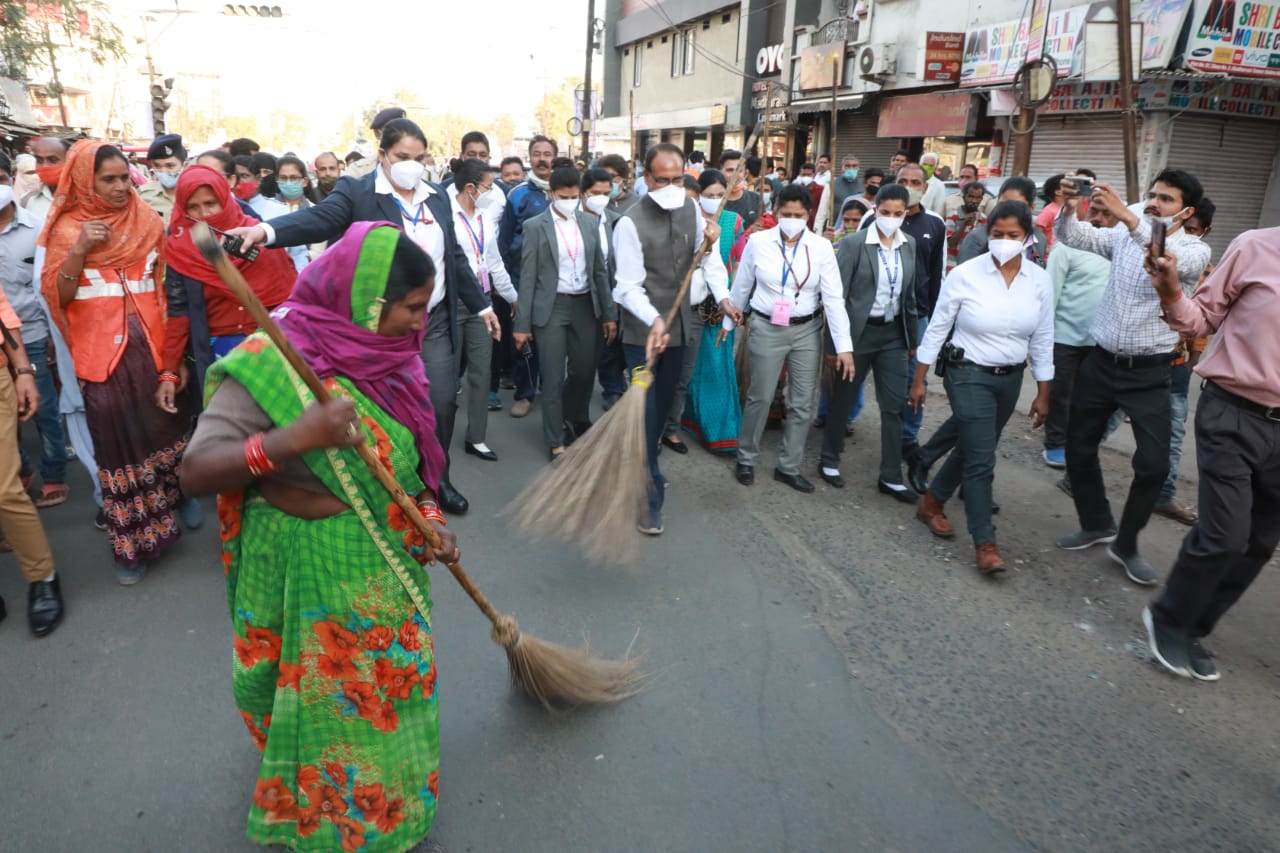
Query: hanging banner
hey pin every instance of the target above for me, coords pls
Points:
(1215, 97)
(1235, 38)
(993, 54)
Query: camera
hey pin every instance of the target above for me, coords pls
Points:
(234, 246)
(1083, 185)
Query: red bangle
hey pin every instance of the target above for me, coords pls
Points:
(431, 512)
(256, 458)
(169, 376)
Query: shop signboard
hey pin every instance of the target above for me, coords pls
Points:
(1214, 97)
(816, 64)
(930, 114)
(1235, 38)
(942, 55)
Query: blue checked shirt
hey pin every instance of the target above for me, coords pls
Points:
(1129, 320)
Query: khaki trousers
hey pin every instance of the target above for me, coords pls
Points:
(18, 515)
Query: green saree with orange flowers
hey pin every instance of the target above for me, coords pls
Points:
(334, 669)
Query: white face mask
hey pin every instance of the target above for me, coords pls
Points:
(913, 197)
(791, 228)
(485, 200)
(597, 203)
(670, 197)
(406, 174)
(710, 205)
(6, 195)
(1005, 250)
(888, 225)
(804, 180)
(566, 207)
(168, 180)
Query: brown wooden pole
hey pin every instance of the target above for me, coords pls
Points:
(1128, 118)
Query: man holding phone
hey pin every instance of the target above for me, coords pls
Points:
(1129, 367)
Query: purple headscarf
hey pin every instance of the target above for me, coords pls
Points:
(331, 318)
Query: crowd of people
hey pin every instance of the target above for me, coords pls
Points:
(488, 288)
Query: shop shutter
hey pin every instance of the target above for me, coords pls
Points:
(857, 133)
(1066, 143)
(1224, 154)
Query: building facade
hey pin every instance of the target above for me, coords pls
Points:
(871, 76)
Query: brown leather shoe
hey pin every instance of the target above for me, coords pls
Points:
(989, 560)
(929, 510)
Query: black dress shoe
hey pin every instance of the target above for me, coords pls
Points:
(795, 481)
(910, 452)
(44, 606)
(833, 480)
(2, 610)
(902, 493)
(450, 500)
(677, 446)
(486, 454)
(746, 474)
(918, 474)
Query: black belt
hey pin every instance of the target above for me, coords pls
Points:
(878, 321)
(1271, 413)
(1134, 362)
(795, 321)
(999, 370)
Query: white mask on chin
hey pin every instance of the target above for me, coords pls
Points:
(670, 197)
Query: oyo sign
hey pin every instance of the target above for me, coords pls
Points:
(769, 59)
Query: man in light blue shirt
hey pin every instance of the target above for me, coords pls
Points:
(1079, 279)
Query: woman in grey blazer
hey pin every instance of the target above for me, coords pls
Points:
(879, 270)
(566, 305)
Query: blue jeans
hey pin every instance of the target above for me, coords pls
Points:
(53, 438)
(911, 420)
(658, 402)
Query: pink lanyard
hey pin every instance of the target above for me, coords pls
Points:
(476, 244)
(577, 247)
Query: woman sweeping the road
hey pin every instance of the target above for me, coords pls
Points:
(334, 670)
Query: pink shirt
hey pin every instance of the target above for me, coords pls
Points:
(1045, 220)
(1240, 304)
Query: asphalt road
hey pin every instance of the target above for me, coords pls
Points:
(829, 678)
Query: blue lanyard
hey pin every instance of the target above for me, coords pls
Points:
(413, 220)
(788, 267)
(891, 274)
(477, 244)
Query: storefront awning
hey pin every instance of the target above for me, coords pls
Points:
(818, 105)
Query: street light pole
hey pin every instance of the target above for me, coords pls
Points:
(588, 111)
(1128, 120)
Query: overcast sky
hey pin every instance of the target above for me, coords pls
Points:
(327, 59)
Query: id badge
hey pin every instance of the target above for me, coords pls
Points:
(781, 313)
(889, 314)
(483, 275)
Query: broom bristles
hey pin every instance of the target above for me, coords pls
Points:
(592, 495)
(559, 675)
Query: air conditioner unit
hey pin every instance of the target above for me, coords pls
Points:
(876, 61)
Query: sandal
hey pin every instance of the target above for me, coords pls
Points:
(1180, 514)
(26, 477)
(52, 494)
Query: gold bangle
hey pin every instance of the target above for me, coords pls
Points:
(62, 275)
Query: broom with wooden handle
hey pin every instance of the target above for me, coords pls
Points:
(592, 494)
(547, 672)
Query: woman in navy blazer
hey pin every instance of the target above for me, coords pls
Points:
(395, 192)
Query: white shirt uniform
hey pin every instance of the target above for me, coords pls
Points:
(810, 272)
(996, 325)
(573, 255)
(629, 257)
(416, 220)
(478, 236)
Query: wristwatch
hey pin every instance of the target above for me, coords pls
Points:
(29, 370)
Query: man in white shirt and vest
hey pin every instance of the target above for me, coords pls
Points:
(655, 243)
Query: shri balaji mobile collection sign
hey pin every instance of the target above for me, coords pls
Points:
(1235, 37)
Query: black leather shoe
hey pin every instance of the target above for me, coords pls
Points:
(902, 494)
(450, 500)
(910, 452)
(835, 481)
(487, 455)
(2, 610)
(918, 475)
(675, 444)
(795, 481)
(746, 474)
(44, 606)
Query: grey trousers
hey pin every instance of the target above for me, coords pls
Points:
(771, 347)
(568, 351)
(692, 343)
(478, 347)
(442, 364)
(882, 350)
